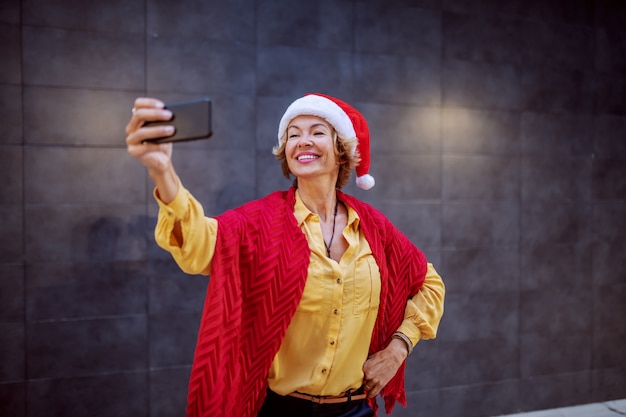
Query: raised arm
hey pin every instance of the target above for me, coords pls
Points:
(157, 158)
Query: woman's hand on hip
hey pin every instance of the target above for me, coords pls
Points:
(382, 366)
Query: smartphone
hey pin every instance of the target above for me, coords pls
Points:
(191, 121)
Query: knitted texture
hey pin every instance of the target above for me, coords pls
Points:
(258, 275)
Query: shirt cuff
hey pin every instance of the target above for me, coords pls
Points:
(177, 208)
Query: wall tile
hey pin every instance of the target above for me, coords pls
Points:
(13, 399)
(562, 179)
(399, 79)
(12, 233)
(481, 85)
(12, 355)
(609, 179)
(420, 222)
(83, 347)
(554, 315)
(476, 131)
(168, 391)
(609, 13)
(480, 225)
(233, 124)
(99, 233)
(11, 173)
(397, 29)
(551, 355)
(169, 285)
(10, 11)
(323, 24)
(270, 176)
(479, 400)
(227, 21)
(269, 111)
(607, 384)
(556, 134)
(466, 363)
(491, 40)
(76, 116)
(60, 290)
(218, 179)
(120, 395)
(10, 48)
(553, 266)
(176, 64)
(470, 317)
(609, 95)
(402, 128)
(422, 367)
(287, 71)
(11, 110)
(576, 11)
(173, 338)
(557, 91)
(610, 50)
(12, 293)
(56, 57)
(554, 391)
(546, 223)
(557, 45)
(420, 177)
(117, 16)
(491, 8)
(82, 175)
(609, 333)
(609, 249)
(480, 178)
(608, 136)
(481, 270)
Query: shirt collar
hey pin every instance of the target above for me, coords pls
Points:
(302, 213)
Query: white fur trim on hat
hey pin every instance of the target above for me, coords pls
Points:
(314, 105)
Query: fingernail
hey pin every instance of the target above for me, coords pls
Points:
(167, 114)
(169, 129)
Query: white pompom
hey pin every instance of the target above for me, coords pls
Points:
(365, 181)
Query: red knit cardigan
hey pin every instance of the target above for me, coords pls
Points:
(257, 278)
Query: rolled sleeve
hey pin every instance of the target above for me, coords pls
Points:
(424, 311)
(186, 233)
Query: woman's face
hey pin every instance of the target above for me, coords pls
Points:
(310, 149)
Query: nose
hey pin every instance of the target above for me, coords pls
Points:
(305, 140)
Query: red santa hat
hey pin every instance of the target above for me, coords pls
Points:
(345, 119)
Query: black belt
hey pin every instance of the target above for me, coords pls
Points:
(349, 396)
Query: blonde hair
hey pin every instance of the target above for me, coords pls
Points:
(345, 150)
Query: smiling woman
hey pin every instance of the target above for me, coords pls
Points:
(340, 295)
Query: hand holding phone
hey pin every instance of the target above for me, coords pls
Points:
(191, 121)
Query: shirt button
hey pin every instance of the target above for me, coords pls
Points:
(336, 312)
(332, 342)
(324, 371)
(338, 280)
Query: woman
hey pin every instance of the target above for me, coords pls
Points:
(315, 299)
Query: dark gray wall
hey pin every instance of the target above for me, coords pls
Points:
(499, 147)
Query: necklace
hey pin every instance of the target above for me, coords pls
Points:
(333, 234)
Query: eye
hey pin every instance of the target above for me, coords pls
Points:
(293, 136)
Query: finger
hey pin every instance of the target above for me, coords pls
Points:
(148, 102)
(144, 114)
(145, 134)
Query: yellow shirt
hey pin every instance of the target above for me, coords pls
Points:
(328, 339)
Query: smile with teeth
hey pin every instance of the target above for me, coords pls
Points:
(307, 157)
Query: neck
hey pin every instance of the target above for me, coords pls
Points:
(321, 201)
